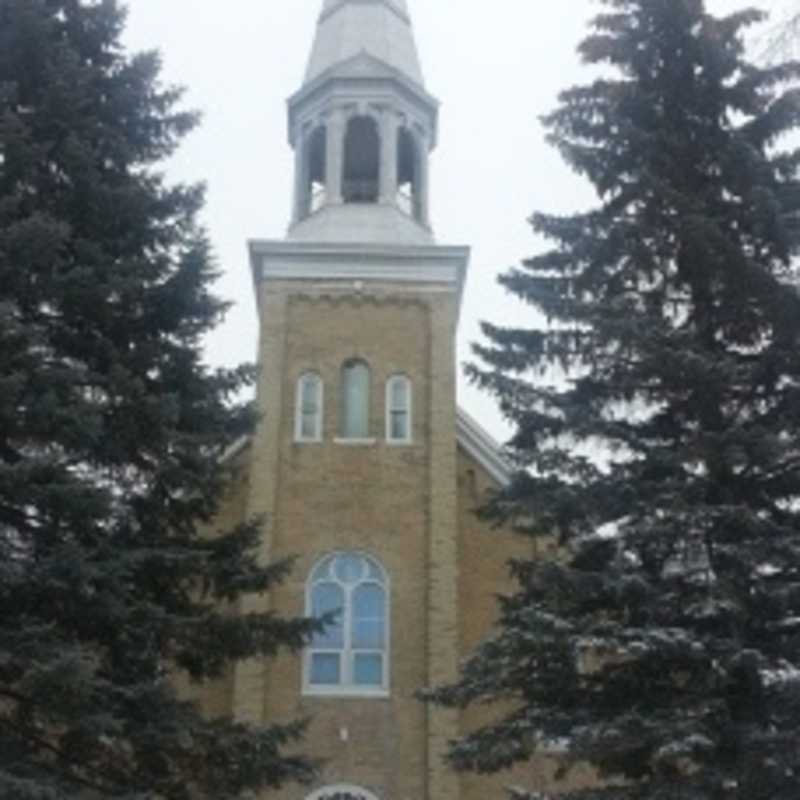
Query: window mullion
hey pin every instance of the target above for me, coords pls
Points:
(347, 655)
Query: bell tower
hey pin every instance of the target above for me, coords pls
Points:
(358, 461)
(362, 128)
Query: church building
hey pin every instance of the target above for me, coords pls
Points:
(363, 468)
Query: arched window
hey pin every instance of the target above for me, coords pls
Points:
(308, 409)
(398, 409)
(408, 173)
(316, 170)
(342, 792)
(354, 400)
(351, 655)
(362, 157)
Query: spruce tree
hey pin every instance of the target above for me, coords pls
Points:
(111, 431)
(655, 399)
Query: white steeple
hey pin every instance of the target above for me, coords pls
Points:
(381, 28)
(362, 127)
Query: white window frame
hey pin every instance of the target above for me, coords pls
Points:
(298, 412)
(347, 688)
(409, 438)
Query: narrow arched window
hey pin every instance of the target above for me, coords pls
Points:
(398, 409)
(362, 157)
(354, 400)
(308, 413)
(316, 160)
(408, 174)
(351, 655)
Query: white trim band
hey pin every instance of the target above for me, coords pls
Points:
(309, 261)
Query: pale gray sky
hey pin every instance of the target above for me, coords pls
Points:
(496, 67)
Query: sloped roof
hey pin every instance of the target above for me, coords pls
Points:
(381, 28)
(360, 223)
(479, 444)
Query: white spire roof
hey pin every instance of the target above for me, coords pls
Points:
(379, 28)
(400, 5)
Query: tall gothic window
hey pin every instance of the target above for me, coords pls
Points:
(362, 158)
(398, 409)
(351, 655)
(354, 400)
(308, 410)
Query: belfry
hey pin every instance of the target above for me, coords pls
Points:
(362, 127)
(362, 467)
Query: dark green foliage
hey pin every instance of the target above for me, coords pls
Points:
(665, 647)
(111, 431)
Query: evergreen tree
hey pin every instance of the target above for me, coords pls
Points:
(111, 432)
(663, 645)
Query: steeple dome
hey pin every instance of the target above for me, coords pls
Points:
(362, 127)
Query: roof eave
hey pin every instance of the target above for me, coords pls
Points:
(391, 76)
(479, 444)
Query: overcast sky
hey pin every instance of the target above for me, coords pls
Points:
(495, 66)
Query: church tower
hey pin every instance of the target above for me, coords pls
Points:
(362, 468)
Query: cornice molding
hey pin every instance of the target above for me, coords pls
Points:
(362, 71)
(334, 262)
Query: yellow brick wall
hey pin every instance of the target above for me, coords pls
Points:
(374, 498)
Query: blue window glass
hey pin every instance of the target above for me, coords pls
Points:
(369, 617)
(368, 669)
(329, 598)
(350, 569)
(350, 654)
(308, 426)
(326, 669)
(398, 409)
(354, 401)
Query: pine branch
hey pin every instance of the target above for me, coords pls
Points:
(62, 758)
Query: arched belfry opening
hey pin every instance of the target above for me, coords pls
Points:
(362, 158)
(408, 174)
(315, 157)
